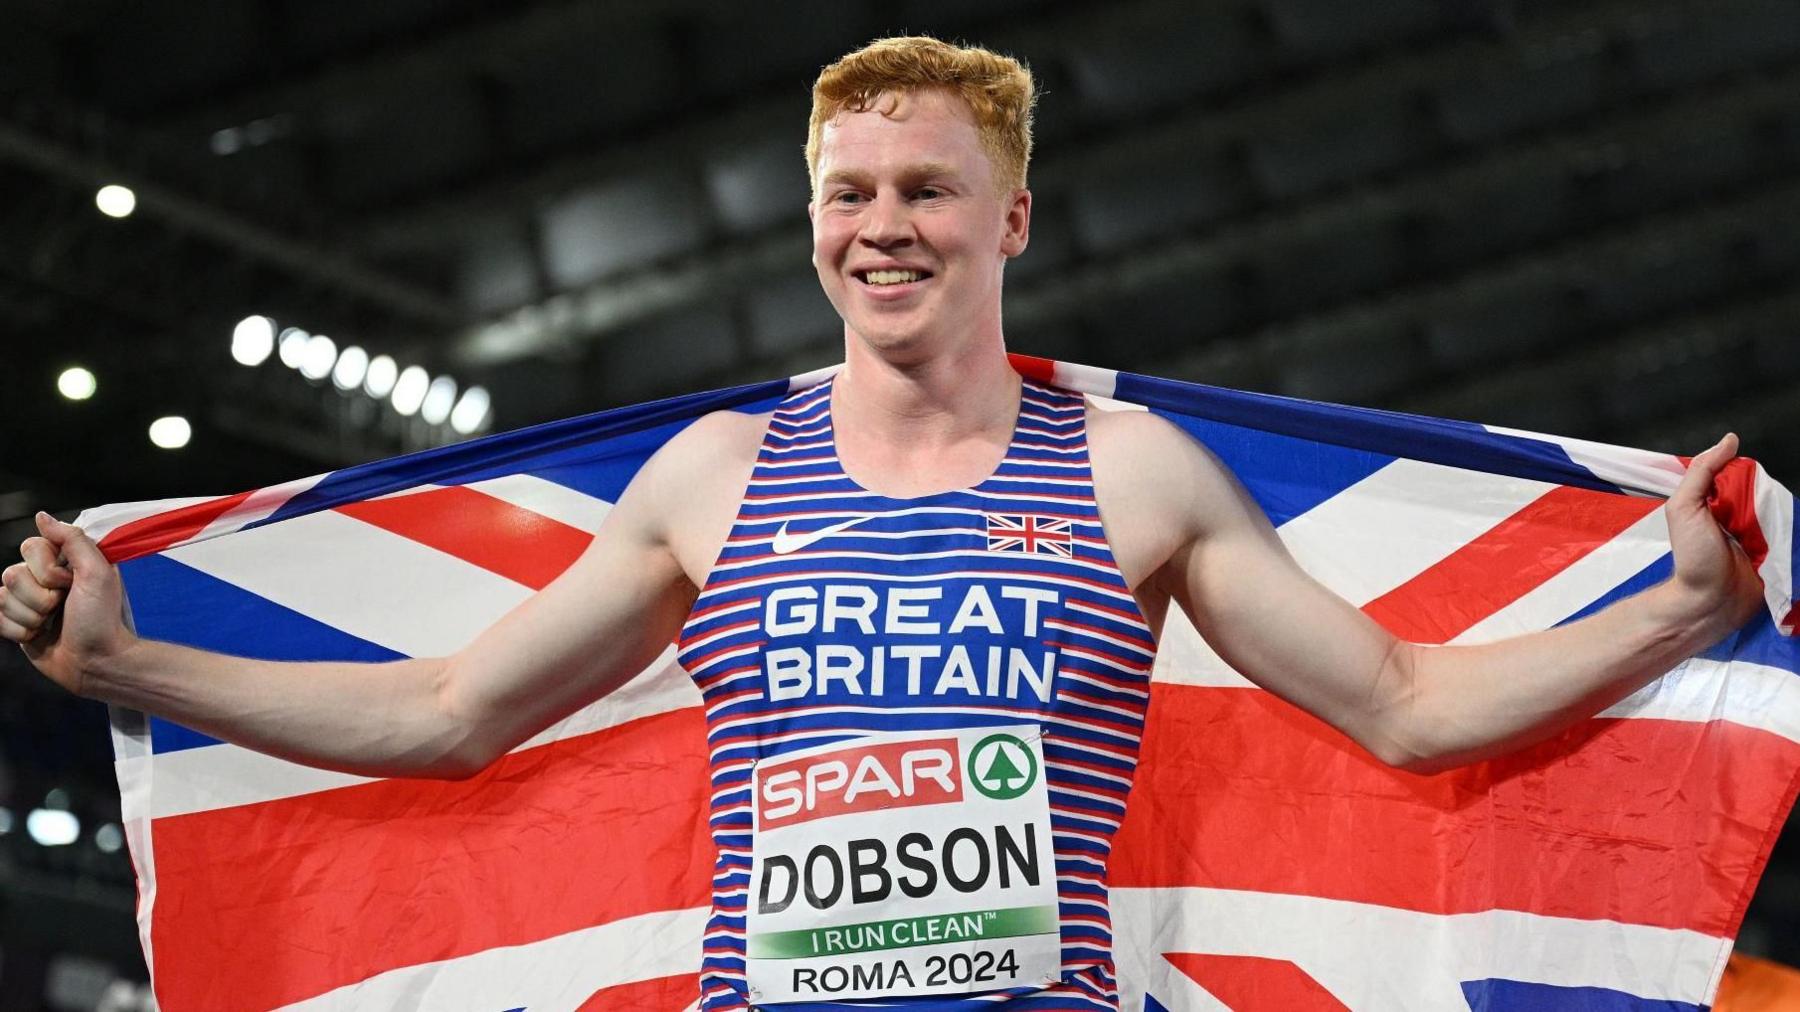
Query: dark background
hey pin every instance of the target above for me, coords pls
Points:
(1563, 215)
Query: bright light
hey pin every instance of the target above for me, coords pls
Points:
(76, 383)
(109, 838)
(52, 828)
(379, 382)
(409, 390)
(352, 365)
(471, 412)
(116, 201)
(252, 340)
(293, 346)
(6, 821)
(317, 359)
(438, 400)
(171, 432)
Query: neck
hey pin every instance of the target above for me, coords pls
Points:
(941, 400)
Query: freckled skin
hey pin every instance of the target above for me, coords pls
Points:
(908, 183)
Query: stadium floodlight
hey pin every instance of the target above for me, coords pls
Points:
(171, 432)
(52, 827)
(439, 399)
(109, 838)
(252, 340)
(320, 354)
(292, 346)
(352, 366)
(378, 382)
(76, 383)
(471, 411)
(115, 201)
(409, 390)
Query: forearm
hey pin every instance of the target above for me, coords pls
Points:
(369, 719)
(1461, 704)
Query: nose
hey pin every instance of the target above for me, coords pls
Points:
(887, 223)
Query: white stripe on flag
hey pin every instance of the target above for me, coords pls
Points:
(1700, 690)
(1374, 957)
(1398, 522)
(558, 502)
(359, 578)
(555, 973)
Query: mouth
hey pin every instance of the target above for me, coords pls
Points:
(890, 277)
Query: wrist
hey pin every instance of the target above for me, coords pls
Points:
(105, 671)
(1692, 617)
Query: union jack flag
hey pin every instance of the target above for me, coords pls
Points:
(1264, 861)
(1029, 533)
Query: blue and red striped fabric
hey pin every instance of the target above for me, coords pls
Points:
(1076, 660)
(1263, 860)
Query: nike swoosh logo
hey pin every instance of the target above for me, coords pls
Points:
(785, 543)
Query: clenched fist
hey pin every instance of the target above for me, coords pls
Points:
(63, 603)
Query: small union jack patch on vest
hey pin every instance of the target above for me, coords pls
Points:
(1029, 534)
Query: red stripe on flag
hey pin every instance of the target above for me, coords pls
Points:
(1253, 982)
(1043, 370)
(266, 904)
(1507, 561)
(1649, 822)
(515, 542)
(152, 534)
(1733, 504)
(661, 994)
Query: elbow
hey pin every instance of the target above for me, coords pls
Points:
(1401, 719)
(466, 744)
(1392, 752)
(461, 764)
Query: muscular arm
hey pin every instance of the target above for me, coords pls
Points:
(596, 625)
(1410, 705)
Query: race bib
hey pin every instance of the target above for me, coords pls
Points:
(903, 864)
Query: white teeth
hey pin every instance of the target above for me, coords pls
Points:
(891, 277)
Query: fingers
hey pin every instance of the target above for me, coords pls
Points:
(72, 542)
(14, 631)
(41, 557)
(22, 585)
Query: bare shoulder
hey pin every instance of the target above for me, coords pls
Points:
(1157, 487)
(688, 492)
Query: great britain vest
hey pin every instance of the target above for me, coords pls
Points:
(923, 716)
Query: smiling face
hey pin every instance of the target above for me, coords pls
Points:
(910, 229)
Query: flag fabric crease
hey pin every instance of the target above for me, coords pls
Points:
(1264, 862)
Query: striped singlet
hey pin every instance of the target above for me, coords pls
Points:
(1053, 640)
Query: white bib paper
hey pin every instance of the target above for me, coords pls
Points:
(903, 864)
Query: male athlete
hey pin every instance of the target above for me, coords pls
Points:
(921, 740)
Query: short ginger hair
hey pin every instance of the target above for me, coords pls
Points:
(997, 89)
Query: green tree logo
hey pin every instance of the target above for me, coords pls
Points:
(1002, 767)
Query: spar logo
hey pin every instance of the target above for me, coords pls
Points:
(1002, 767)
(859, 778)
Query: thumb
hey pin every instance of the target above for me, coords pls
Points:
(1697, 484)
(76, 547)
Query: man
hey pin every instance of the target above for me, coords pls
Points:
(905, 716)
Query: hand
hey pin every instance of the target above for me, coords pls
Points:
(1713, 579)
(63, 569)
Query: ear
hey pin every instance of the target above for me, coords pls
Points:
(1017, 224)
